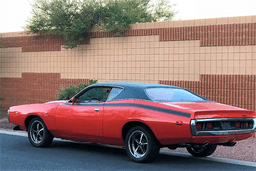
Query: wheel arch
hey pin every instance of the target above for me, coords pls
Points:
(29, 118)
(132, 124)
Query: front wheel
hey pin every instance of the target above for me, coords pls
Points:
(38, 134)
(201, 151)
(141, 145)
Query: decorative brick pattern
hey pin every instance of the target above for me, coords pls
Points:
(37, 43)
(133, 32)
(34, 88)
(235, 90)
(210, 35)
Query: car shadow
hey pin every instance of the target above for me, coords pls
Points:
(78, 155)
(88, 147)
(116, 152)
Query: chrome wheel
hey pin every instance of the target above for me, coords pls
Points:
(141, 144)
(138, 144)
(37, 132)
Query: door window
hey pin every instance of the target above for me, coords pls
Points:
(94, 95)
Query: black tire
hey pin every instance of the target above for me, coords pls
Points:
(38, 134)
(141, 145)
(200, 151)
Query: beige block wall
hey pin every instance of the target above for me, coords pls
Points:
(141, 59)
(136, 58)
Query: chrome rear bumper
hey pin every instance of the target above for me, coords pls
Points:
(196, 132)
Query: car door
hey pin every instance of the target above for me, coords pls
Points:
(83, 118)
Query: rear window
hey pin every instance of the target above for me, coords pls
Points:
(172, 95)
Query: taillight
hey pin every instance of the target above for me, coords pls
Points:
(237, 124)
(209, 126)
(198, 126)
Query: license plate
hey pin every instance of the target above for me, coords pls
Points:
(225, 125)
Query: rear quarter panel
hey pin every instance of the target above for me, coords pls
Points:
(161, 123)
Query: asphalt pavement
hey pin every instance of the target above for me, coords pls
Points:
(16, 153)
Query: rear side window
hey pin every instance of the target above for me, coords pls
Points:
(114, 92)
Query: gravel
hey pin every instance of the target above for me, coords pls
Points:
(5, 124)
(244, 150)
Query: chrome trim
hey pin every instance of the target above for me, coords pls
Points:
(224, 119)
(96, 109)
(8, 115)
(195, 132)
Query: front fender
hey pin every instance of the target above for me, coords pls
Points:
(21, 115)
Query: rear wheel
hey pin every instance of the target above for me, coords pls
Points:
(38, 134)
(201, 151)
(141, 145)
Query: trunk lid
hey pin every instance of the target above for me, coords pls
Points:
(200, 110)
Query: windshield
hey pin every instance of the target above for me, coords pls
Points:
(172, 95)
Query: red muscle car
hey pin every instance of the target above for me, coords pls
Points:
(140, 116)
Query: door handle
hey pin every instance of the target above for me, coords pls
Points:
(96, 109)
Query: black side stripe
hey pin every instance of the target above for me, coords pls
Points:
(174, 112)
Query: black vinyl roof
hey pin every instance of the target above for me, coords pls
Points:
(134, 84)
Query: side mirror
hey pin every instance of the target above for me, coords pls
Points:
(73, 100)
